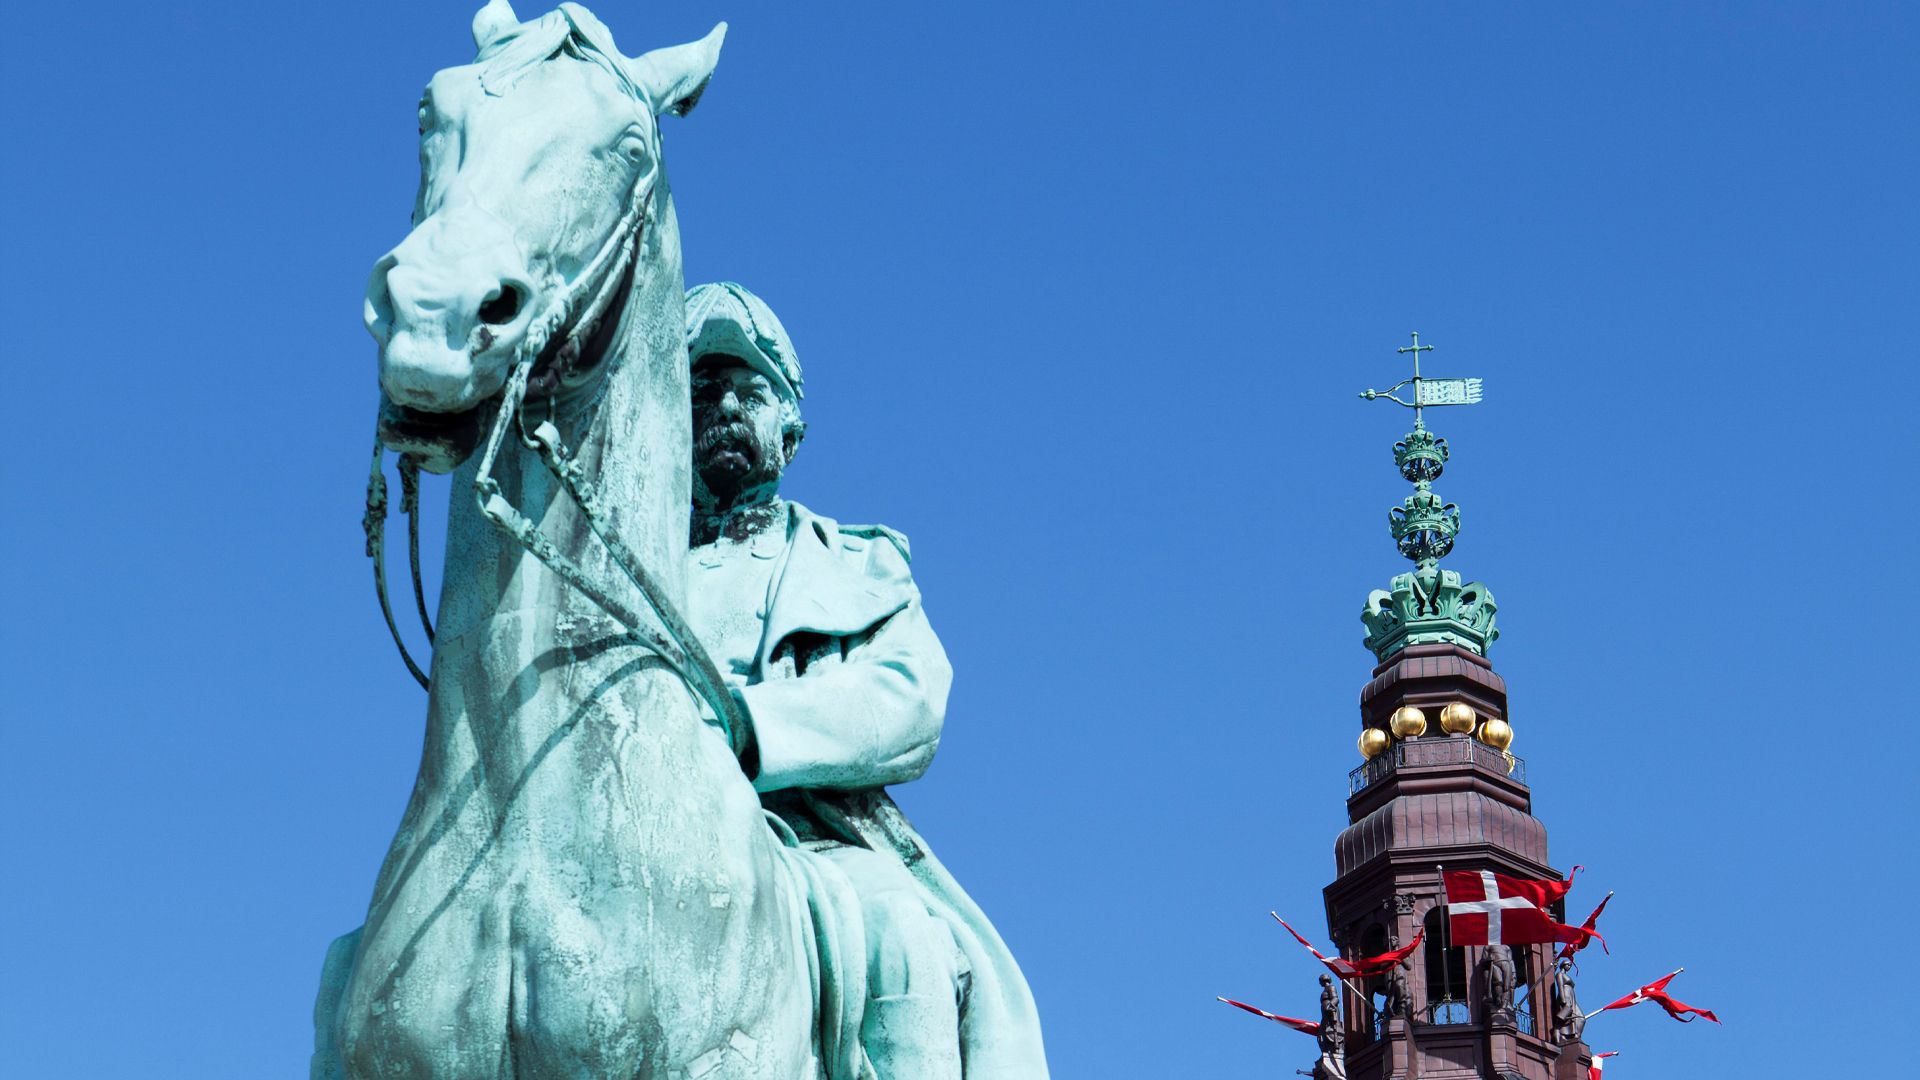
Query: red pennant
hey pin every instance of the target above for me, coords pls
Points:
(1308, 1026)
(1364, 967)
(1656, 992)
(1587, 928)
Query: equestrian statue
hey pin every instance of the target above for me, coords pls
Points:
(649, 836)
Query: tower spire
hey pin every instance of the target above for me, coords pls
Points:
(1430, 798)
(1428, 605)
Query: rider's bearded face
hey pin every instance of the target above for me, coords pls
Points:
(738, 440)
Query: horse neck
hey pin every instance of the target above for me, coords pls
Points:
(630, 432)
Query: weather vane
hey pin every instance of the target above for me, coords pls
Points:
(1427, 391)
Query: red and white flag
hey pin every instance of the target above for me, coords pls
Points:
(1362, 967)
(1566, 953)
(1593, 1072)
(1656, 992)
(1484, 907)
(1308, 1026)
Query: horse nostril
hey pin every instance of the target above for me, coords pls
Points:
(501, 307)
(377, 311)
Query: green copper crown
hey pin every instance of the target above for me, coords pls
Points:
(1427, 605)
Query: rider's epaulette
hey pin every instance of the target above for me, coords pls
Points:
(872, 532)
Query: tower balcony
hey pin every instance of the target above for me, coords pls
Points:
(1444, 754)
(1439, 797)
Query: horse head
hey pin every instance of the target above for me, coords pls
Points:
(537, 181)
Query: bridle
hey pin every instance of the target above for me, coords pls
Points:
(672, 639)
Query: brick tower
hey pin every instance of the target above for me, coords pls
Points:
(1438, 790)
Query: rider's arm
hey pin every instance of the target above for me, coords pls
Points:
(866, 715)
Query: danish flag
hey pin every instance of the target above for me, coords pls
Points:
(1362, 967)
(1308, 1026)
(1656, 992)
(1484, 907)
(1593, 1073)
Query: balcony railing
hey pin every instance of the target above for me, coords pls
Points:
(1448, 1013)
(1435, 750)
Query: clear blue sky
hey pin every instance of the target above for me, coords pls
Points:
(1085, 294)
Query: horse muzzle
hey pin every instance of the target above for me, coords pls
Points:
(420, 370)
(439, 442)
(450, 306)
(431, 398)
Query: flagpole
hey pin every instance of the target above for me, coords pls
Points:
(1446, 922)
(1368, 998)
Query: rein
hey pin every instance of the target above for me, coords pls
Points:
(374, 523)
(677, 647)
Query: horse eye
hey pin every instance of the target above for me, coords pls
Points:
(634, 147)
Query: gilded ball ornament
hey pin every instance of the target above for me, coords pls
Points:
(1373, 743)
(1496, 733)
(1458, 718)
(1409, 722)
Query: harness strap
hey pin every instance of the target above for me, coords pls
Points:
(410, 506)
(678, 647)
(374, 523)
(711, 686)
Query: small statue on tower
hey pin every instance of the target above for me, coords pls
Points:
(1333, 1035)
(1501, 978)
(1569, 1024)
(1398, 991)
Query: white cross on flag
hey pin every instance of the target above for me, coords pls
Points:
(1484, 907)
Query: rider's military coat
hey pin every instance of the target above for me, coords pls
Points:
(847, 695)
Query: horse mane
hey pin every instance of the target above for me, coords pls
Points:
(569, 29)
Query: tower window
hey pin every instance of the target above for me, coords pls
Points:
(1523, 988)
(1373, 943)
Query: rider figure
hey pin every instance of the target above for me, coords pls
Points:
(818, 628)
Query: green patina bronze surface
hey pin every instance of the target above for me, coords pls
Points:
(1428, 605)
(650, 835)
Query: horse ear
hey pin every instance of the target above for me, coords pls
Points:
(674, 77)
(492, 22)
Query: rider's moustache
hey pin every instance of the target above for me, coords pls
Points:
(714, 436)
